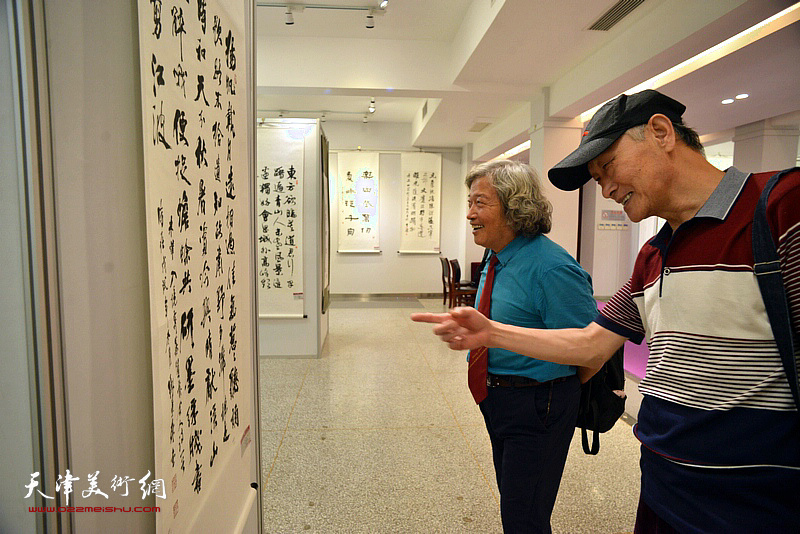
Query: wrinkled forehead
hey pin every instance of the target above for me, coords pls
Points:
(482, 185)
(595, 164)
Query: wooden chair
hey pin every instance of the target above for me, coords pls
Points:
(445, 279)
(462, 292)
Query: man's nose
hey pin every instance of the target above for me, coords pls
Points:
(607, 188)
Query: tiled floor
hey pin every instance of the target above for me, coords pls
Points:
(381, 435)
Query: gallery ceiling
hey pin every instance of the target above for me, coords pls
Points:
(472, 64)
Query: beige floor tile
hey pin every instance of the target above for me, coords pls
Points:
(381, 434)
(404, 480)
(600, 490)
(280, 382)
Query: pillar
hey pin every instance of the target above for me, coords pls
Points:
(552, 139)
(766, 145)
(468, 251)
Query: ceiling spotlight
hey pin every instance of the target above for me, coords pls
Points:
(371, 105)
(728, 101)
(370, 20)
(322, 117)
(364, 120)
(289, 16)
(742, 96)
(280, 114)
(384, 4)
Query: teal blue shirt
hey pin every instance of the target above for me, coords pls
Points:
(537, 284)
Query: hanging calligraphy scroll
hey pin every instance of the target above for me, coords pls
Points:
(194, 64)
(358, 202)
(279, 215)
(421, 194)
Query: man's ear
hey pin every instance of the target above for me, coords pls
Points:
(663, 131)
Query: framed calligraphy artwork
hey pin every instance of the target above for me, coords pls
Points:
(358, 181)
(194, 72)
(420, 210)
(279, 215)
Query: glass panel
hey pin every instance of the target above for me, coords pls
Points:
(16, 346)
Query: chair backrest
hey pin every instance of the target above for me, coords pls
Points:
(455, 271)
(445, 269)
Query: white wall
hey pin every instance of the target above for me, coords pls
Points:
(607, 254)
(100, 214)
(390, 272)
(372, 136)
(614, 250)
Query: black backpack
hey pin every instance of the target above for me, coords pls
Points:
(600, 407)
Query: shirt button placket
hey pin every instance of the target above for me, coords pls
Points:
(664, 273)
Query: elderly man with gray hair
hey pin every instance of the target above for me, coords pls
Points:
(529, 406)
(718, 422)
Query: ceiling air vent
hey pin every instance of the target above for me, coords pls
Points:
(619, 11)
(479, 126)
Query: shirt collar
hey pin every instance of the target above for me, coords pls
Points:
(721, 201)
(717, 206)
(508, 252)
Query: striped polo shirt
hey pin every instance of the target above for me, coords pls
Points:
(716, 400)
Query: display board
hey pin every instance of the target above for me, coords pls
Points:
(279, 212)
(420, 210)
(358, 180)
(194, 62)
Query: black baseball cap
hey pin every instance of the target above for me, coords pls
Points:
(612, 120)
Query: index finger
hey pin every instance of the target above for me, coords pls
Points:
(430, 317)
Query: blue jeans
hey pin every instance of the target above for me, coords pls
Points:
(530, 429)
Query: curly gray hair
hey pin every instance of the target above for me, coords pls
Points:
(519, 189)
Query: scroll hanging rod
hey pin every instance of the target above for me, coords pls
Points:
(301, 7)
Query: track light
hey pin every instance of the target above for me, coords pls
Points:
(364, 120)
(322, 117)
(371, 105)
(292, 7)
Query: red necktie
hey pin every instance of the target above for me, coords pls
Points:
(479, 358)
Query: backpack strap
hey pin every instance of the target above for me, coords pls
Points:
(767, 268)
(587, 408)
(595, 448)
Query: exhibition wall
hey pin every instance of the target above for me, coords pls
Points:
(100, 209)
(291, 324)
(390, 271)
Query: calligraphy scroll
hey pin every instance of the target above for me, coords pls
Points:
(194, 64)
(279, 215)
(421, 195)
(358, 202)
